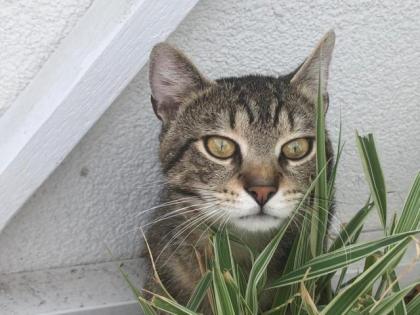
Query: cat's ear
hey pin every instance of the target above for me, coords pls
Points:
(315, 68)
(172, 77)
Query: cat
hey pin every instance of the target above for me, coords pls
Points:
(237, 152)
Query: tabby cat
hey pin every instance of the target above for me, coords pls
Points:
(236, 152)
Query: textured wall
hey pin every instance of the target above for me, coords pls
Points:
(30, 30)
(93, 199)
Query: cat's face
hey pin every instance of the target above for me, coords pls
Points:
(241, 149)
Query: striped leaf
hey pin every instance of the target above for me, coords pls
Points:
(260, 265)
(351, 228)
(169, 306)
(326, 263)
(320, 215)
(144, 304)
(299, 254)
(410, 216)
(333, 175)
(345, 300)
(413, 308)
(146, 307)
(222, 297)
(200, 292)
(373, 173)
(308, 302)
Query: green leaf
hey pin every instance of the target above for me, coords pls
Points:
(374, 174)
(351, 228)
(223, 251)
(260, 265)
(321, 205)
(344, 270)
(332, 176)
(413, 308)
(144, 304)
(386, 305)
(308, 302)
(170, 306)
(146, 307)
(224, 261)
(221, 293)
(200, 292)
(298, 255)
(410, 216)
(326, 263)
(345, 300)
(259, 268)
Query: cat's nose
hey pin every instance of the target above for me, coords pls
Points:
(261, 194)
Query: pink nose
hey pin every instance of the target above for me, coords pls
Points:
(261, 194)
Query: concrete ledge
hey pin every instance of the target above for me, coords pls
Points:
(128, 308)
(90, 289)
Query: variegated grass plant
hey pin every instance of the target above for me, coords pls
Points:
(305, 286)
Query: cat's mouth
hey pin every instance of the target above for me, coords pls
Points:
(257, 215)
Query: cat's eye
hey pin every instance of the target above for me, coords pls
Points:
(296, 149)
(220, 147)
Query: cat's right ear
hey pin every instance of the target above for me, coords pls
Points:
(172, 78)
(315, 69)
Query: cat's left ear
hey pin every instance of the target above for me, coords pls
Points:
(315, 68)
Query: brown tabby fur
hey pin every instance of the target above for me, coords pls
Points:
(257, 112)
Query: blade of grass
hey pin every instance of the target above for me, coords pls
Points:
(222, 297)
(410, 216)
(351, 228)
(261, 262)
(259, 268)
(413, 308)
(319, 215)
(200, 292)
(170, 306)
(146, 307)
(386, 305)
(224, 261)
(326, 263)
(399, 307)
(308, 302)
(298, 255)
(144, 304)
(345, 300)
(332, 176)
(373, 173)
(344, 270)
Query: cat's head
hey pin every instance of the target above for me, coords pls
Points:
(239, 149)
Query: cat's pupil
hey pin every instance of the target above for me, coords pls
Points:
(295, 147)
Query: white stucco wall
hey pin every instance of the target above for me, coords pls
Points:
(30, 30)
(93, 199)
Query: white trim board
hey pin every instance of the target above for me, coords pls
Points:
(77, 84)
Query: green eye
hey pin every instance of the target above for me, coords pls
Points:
(296, 149)
(220, 147)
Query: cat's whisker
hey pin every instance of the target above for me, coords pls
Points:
(151, 222)
(297, 224)
(221, 215)
(188, 223)
(178, 212)
(192, 224)
(336, 230)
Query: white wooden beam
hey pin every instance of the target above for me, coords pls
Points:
(77, 84)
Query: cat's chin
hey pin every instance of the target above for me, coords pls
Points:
(257, 223)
